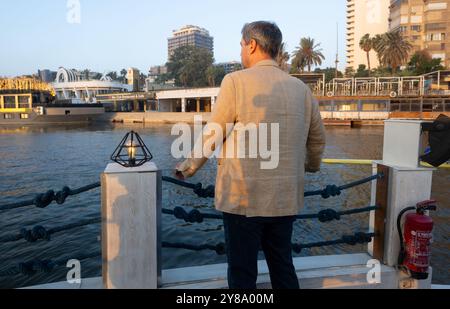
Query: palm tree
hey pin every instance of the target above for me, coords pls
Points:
(366, 44)
(298, 64)
(283, 57)
(394, 49)
(376, 45)
(308, 53)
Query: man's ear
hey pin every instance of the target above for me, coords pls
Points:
(253, 46)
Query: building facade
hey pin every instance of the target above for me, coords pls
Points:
(133, 78)
(231, 66)
(364, 16)
(426, 25)
(190, 36)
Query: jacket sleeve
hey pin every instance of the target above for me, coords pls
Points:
(315, 145)
(224, 113)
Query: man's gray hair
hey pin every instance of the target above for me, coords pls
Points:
(266, 34)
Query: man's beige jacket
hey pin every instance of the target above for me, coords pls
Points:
(265, 95)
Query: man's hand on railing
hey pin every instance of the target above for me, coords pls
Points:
(178, 173)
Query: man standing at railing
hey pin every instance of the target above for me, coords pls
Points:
(260, 201)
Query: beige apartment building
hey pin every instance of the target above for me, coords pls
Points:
(364, 16)
(425, 23)
(190, 36)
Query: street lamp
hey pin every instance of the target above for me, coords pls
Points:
(132, 151)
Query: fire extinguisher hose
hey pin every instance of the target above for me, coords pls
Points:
(401, 256)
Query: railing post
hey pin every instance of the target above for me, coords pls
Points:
(131, 229)
(408, 184)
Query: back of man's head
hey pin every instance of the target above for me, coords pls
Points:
(266, 34)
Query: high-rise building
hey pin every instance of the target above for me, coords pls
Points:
(364, 17)
(426, 25)
(133, 77)
(230, 67)
(190, 36)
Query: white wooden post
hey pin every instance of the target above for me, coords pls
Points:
(409, 183)
(131, 216)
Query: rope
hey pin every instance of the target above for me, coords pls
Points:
(333, 190)
(327, 192)
(220, 249)
(208, 192)
(45, 199)
(324, 216)
(194, 216)
(33, 267)
(41, 233)
(353, 240)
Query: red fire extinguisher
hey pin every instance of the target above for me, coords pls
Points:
(416, 238)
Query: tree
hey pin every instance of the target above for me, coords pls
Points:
(162, 79)
(298, 65)
(366, 44)
(393, 49)
(330, 73)
(112, 75)
(422, 63)
(362, 71)
(376, 45)
(142, 78)
(188, 66)
(86, 74)
(308, 54)
(349, 72)
(283, 57)
(123, 76)
(215, 75)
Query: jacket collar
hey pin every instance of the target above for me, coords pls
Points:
(266, 63)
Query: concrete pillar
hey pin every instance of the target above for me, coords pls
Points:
(16, 98)
(183, 105)
(158, 105)
(131, 229)
(198, 105)
(2, 104)
(409, 184)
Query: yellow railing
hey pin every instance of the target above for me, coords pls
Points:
(367, 162)
(16, 110)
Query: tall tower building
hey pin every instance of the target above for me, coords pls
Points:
(426, 25)
(364, 16)
(190, 36)
(133, 77)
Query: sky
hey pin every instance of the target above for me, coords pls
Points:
(109, 35)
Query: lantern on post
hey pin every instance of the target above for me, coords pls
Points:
(132, 151)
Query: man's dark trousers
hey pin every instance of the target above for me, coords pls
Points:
(245, 237)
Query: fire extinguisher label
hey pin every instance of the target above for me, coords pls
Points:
(418, 248)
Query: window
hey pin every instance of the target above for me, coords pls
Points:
(416, 28)
(67, 112)
(24, 102)
(24, 116)
(8, 116)
(9, 102)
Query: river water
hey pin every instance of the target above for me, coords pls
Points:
(36, 159)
